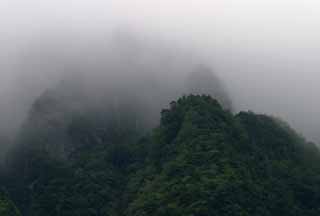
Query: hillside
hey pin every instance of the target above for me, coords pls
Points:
(201, 160)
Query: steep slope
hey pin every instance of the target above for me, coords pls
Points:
(211, 163)
(68, 143)
(201, 160)
(202, 80)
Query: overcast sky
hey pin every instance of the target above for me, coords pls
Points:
(267, 51)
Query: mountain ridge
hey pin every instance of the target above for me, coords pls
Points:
(200, 160)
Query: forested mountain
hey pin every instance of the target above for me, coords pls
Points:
(200, 160)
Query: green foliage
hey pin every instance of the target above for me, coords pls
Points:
(7, 208)
(201, 160)
(211, 163)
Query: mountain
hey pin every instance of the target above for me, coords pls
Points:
(210, 162)
(203, 81)
(201, 160)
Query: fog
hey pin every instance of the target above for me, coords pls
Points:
(265, 52)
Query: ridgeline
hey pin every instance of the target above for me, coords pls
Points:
(201, 160)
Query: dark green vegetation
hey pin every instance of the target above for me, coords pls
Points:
(201, 160)
(7, 208)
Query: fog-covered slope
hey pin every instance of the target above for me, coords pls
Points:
(200, 160)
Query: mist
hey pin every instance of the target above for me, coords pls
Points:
(266, 54)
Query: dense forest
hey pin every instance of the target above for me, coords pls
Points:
(200, 160)
(159, 108)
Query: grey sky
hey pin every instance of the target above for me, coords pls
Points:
(267, 51)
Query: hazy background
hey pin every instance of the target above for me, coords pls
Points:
(267, 52)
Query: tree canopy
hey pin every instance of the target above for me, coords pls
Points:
(201, 160)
